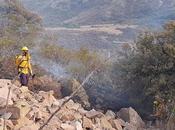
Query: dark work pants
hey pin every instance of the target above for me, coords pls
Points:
(24, 79)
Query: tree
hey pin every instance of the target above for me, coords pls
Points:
(150, 67)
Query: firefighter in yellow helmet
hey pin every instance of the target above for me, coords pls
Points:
(23, 63)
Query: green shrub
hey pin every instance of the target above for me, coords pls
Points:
(78, 62)
(149, 67)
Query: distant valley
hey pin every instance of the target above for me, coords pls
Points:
(102, 38)
(100, 25)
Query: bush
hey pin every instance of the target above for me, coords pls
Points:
(78, 62)
(56, 53)
(8, 69)
(149, 67)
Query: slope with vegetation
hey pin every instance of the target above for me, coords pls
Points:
(19, 27)
(144, 71)
(148, 68)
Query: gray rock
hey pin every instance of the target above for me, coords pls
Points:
(110, 114)
(15, 112)
(93, 113)
(130, 127)
(6, 115)
(131, 116)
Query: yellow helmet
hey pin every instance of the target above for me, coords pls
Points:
(155, 102)
(24, 48)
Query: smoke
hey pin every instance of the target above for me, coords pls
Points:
(56, 69)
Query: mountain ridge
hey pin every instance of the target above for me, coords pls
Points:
(85, 12)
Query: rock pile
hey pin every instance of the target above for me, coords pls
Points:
(29, 111)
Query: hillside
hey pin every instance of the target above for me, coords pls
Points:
(28, 110)
(94, 43)
(84, 12)
(18, 27)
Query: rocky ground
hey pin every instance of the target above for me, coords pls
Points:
(29, 110)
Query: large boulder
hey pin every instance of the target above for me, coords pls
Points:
(131, 116)
(87, 123)
(73, 106)
(47, 98)
(15, 112)
(105, 124)
(93, 113)
(66, 114)
(9, 124)
(81, 95)
(117, 124)
(24, 124)
(24, 108)
(78, 125)
(131, 127)
(110, 114)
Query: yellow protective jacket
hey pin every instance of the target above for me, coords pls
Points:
(24, 64)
